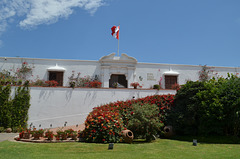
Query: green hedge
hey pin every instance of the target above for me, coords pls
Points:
(208, 107)
(14, 112)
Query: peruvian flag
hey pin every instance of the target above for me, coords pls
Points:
(115, 31)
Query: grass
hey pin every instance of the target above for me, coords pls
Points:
(161, 148)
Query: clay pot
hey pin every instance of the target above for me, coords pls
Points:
(26, 135)
(36, 136)
(127, 136)
(168, 131)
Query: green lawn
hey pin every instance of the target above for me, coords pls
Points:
(161, 148)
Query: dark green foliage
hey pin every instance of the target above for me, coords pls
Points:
(20, 106)
(208, 108)
(185, 114)
(14, 112)
(156, 86)
(145, 121)
(230, 98)
(5, 106)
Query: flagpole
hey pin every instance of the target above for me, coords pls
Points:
(118, 38)
(118, 47)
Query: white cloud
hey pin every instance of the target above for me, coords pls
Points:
(36, 12)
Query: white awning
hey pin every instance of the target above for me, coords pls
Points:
(56, 68)
(171, 73)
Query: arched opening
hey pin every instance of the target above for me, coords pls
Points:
(118, 81)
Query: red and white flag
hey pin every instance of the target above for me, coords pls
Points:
(115, 31)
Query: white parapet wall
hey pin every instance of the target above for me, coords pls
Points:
(55, 106)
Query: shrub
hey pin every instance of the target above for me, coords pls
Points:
(95, 84)
(2, 129)
(145, 121)
(103, 126)
(51, 83)
(85, 81)
(49, 134)
(20, 106)
(184, 116)
(230, 99)
(156, 86)
(105, 122)
(176, 86)
(38, 82)
(209, 107)
(135, 85)
(5, 106)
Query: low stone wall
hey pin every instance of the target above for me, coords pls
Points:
(54, 107)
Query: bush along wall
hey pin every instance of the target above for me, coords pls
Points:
(208, 107)
(5, 106)
(14, 112)
(105, 123)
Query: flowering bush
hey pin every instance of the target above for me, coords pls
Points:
(38, 82)
(95, 84)
(176, 86)
(85, 81)
(49, 135)
(24, 71)
(105, 123)
(103, 126)
(135, 84)
(51, 83)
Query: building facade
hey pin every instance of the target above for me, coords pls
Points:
(111, 69)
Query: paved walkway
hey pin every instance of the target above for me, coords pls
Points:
(7, 136)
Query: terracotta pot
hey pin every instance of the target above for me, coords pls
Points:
(26, 135)
(36, 136)
(63, 137)
(127, 136)
(168, 131)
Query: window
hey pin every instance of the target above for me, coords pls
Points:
(56, 76)
(169, 81)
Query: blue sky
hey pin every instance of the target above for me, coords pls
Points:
(195, 32)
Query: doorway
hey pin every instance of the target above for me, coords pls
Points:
(119, 79)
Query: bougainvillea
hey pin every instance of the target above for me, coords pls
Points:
(103, 126)
(105, 123)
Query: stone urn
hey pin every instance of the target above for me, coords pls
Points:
(127, 136)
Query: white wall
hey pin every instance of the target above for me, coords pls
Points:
(57, 105)
(92, 68)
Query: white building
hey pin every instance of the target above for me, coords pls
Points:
(57, 105)
(111, 68)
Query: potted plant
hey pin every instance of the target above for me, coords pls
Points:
(62, 135)
(72, 84)
(26, 134)
(115, 85)
(49, 135)
(37, 134)
(135, 85)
